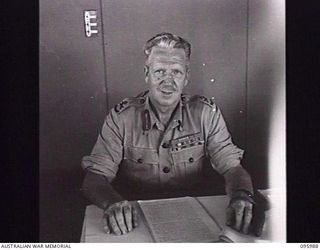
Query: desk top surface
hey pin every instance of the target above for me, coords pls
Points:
(92, 230)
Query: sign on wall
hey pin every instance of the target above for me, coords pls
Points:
(90, 23)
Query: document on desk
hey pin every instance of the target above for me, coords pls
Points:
(179, 220)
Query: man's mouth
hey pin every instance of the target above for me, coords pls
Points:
(167, 89)
(167, 92)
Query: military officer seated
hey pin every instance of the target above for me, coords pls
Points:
(158, 142)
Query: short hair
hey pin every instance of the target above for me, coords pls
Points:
(167, 40)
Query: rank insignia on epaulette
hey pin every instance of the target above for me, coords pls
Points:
(121, 106)
(206, 100)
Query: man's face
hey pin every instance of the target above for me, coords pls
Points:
(167, 74)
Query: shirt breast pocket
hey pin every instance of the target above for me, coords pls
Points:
(141, 164)
(188, 161)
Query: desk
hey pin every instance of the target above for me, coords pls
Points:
(215, 206)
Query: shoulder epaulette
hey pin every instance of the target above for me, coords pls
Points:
(208, 101)
(128, 102)
(198, 98)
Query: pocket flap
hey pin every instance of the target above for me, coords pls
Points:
(190, 155)
(141, 155)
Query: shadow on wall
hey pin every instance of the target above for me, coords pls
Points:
(258, 127)
(265, 85)
(72, 112)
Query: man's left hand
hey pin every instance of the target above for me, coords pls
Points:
(239, 215)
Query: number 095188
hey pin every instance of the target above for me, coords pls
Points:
(311, 245)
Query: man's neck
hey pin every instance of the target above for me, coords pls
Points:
(164, 113)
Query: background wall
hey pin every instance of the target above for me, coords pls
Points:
(72, 109)
(82, 78)
(266, 125)
(217, 31)
(266, 89)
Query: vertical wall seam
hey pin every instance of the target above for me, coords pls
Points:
(246, 79)
(104, 56)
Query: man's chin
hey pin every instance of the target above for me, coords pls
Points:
(168, 103)
(166, 99)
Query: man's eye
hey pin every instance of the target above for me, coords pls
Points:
(159, 72)
(177, 72)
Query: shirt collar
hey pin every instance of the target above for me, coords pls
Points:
(177, 117)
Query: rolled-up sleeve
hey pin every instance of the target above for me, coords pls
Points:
(220, 148)
(107, 153)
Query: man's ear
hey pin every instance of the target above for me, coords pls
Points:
(187, 76)
(146, 72)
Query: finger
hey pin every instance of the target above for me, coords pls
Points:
(106, 225)
(230, 214)
(259, 224)
(134, 217)
(113, 224)
(120, 220)
(247, 219)
(127, 214)
(239, 209)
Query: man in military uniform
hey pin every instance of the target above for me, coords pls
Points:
(158, 141)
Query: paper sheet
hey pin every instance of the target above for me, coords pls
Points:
(179, 220)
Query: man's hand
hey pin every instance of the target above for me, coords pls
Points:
(120, 218)
(239, 215)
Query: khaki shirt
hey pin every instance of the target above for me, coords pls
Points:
(134, 141)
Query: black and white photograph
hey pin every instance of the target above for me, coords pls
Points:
(162, 121)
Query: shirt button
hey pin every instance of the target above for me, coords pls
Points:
(191, 159)
(166, 170)
(140, 160)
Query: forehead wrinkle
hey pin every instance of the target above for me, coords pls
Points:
(167, 63)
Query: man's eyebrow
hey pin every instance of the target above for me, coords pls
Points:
(165, 63)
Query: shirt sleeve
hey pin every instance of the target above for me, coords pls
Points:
(107, 153)
(220, 148)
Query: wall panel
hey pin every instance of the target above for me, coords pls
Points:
(72, 86)
(72, 109)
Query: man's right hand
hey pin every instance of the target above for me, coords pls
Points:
(120, 218)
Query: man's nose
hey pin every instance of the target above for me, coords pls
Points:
(169, 76)
(168, 80)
